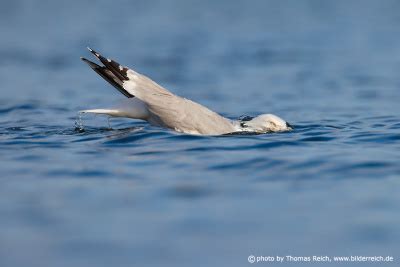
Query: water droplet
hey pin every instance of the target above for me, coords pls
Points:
(79, 123)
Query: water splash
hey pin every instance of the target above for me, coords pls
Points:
(79, 123)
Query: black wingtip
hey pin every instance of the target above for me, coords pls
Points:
(95, 53)
(108, 74)
(90, 63)
(117, 69)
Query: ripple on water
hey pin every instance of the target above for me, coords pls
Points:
(375, 137)
(23, 107)
(317, 139)
(125, 138)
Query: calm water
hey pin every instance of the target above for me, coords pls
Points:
(124, 193)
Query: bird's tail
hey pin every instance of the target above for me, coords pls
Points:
(128, 108)
(103, 111)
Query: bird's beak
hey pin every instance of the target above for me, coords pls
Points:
(289, 126)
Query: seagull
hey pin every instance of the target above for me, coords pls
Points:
(151, 102)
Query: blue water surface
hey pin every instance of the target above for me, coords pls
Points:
(123, 193)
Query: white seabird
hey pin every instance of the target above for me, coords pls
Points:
(151, 102)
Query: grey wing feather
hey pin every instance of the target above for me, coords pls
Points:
(187, 116)
(173, 111)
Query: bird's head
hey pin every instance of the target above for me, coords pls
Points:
(266, 123)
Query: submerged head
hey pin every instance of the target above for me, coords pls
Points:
(266, 123)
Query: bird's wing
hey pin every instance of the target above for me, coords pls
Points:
(108, 76)
(127, 79)
(187, 116)
(165, 108)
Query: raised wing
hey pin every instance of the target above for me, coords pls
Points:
(165, 108)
